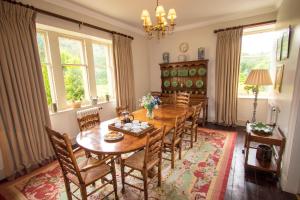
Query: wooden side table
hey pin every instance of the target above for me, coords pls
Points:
(276, 141)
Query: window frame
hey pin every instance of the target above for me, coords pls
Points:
(48, 64)
(57, 67)
(267, 29)
(87, 88)
(109, 66)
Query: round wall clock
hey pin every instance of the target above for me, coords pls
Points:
(184, 47)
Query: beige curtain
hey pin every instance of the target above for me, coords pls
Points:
(227, 75)
(23, 106)
(124, 78)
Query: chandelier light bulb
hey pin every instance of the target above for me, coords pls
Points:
(160, 11)
(145, 14)
(172, 14)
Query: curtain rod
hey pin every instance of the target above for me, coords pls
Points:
(80, 23)
(246, 26)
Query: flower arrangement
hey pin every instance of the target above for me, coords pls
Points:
(150, 102)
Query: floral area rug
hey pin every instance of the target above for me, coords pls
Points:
(202, 173)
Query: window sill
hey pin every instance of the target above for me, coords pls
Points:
(252, 97)
(86, 106)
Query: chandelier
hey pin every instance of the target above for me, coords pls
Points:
(161, 27)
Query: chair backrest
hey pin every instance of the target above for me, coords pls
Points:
(88, 118)
(179, 127)
(196, 113)
(167, 98)
(155, 93)
(121, 109)
(64, 153)
(154, 145)
(182, 98)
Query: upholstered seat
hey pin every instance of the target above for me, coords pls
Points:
(91, 175)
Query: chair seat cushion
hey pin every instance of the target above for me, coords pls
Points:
(168, 139)
(91, 175)
(135, 161)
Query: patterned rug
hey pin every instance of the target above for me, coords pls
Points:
(202, 173)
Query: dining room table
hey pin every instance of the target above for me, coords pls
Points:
(93, 140)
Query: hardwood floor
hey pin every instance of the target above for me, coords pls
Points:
(250, 185)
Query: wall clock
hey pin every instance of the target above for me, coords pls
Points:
(184, 47)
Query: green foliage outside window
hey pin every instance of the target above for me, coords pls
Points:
(47, 84)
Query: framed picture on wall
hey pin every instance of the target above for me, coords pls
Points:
(278, 49)
(285, 44)
(278, 78)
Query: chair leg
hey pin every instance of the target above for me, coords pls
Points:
(145, 177)
(159, 174)
(83, 192)
(192, 138)
(172, 157)
(180, 145)
(196, 134)
(123, 175)
(68, 189)
(113, 169)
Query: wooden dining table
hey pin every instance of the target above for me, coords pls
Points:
(93, 140)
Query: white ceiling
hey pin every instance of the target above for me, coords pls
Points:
(189, 12)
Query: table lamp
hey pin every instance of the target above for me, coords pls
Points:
(258, 77)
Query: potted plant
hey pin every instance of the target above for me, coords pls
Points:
(76, 99)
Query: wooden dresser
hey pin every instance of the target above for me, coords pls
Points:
(188, 76)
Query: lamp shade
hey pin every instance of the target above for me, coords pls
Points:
(259, 77)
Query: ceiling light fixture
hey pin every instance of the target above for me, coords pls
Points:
(161, 27)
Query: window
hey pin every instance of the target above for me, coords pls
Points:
(46, 67)
(75, 66)
(257, 53)
(103, 70)
(74, 69)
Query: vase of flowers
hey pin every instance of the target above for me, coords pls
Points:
(150, 102)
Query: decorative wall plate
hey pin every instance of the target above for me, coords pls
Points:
(199, 84)
(184, 47)
(174, 72)
(201, 71)
(166, 73)
(167, 83)
(174, 83)
(183, 72)
(189, 83)
(192, 72)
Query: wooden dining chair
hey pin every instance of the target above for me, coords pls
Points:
(173, 140)
(83, 174)
(191, 127)
(167, 98)
(121, 109)
(183, 98)
(88, 118)
(145, 160)
(156, 94)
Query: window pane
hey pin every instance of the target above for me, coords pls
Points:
(70, 51)
(75, 82)
(102, 72)
(257, 53)
(47, 83)
(42, 47)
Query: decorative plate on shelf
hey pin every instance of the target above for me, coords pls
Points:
(173, 72)
(167, 83)
(174, 83)
(199, 84)
(189, 83)
(192, 72)
(166, 73)
(201, 71)
(183, 72)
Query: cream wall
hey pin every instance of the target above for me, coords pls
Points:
(200, 37)
(288, 100)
